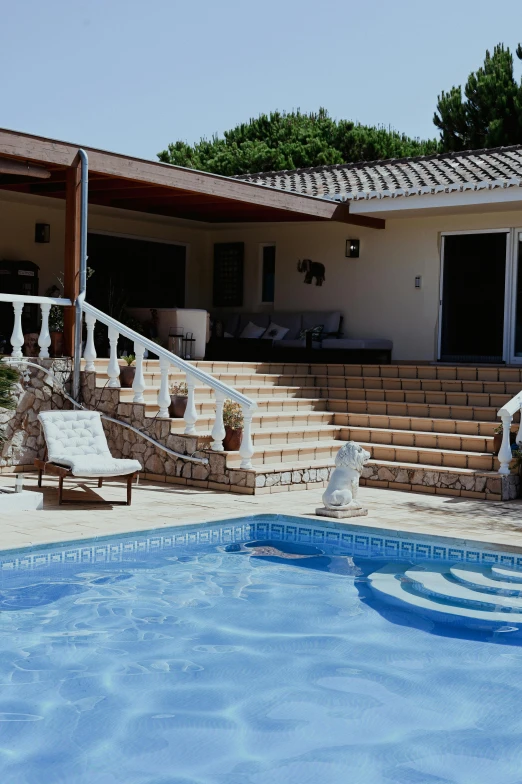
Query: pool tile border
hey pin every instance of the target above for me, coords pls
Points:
(339, 538)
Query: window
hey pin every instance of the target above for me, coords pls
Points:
(268, 273)
(228, 274)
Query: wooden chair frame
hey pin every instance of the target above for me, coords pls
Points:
(61, 472)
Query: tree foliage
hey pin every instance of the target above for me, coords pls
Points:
(293, 140)
(490, 113)
(8, 379)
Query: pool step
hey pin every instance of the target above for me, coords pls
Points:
(429, 591)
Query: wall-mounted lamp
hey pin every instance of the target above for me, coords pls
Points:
(352, 249)
(42, 232)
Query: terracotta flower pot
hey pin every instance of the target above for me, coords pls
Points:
(232, 440)
(178, 405)
(127, 374)
(57, 344)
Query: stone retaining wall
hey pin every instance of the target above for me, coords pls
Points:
(22, 439)
(157, 464)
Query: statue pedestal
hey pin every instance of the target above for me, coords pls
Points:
(341, 513)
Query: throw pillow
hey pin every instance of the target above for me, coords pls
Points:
(251, 331)
(275, 332)
(316, 332)
(228, 335)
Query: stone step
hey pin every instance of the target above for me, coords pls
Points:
(482, 400)
(435, 459)
(303, 451)
(406, 371)
(288, 405)
(417, 438)
(266, 420)
(414, 410)
(462, 427)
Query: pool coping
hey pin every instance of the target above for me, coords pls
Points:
(307, 520)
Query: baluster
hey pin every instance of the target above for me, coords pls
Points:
(505, 456)
(44, 338)
(246, 449)
(113, 369)
(89, 353)
(138, 384)
(519, 434)
(164, 393)
(17, 338)
(218, 431)
(191, 415)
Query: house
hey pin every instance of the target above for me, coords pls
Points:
(423, 252)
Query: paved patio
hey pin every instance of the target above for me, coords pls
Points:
(163, 505)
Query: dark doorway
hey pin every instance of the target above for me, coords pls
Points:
(474, 273)
(133, 273)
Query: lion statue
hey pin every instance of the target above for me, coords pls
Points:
(343, 486)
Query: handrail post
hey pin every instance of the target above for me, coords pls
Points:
(89, 353)
(505, 456)
(164, 394)
(17, 337)
(191, 415)
(44, 338)
(218, 431)
(246, 449)
(113, 369)
(138, 385)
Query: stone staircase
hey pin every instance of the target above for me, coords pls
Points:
(429, 428)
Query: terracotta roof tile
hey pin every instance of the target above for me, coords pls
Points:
(497, 168)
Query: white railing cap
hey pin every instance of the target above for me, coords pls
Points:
(30, 300)
(512, 406)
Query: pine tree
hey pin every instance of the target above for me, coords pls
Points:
(490, 114)
(293, 140)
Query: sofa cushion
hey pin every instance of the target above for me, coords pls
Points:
(275, 332)
(290, 320)
(259, 319)
(252, 331)
(295, 343)
(231, 323)
(329, 319)
(361, 343)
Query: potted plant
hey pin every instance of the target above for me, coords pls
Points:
(56, 330)
(127, 372)
(233, 422)
(178, 400)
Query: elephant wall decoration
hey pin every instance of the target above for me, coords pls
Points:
(312, 269)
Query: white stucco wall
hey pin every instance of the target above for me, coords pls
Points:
(375, 292)
(20, 212)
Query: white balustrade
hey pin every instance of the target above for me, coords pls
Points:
(191, 415)
(246, 449)
(194, 375)
(164, 393)
(89, 352)
(44, 339)
(17, 337)
(506, 413)
(218, 431)
(113, 368)
(138, 385)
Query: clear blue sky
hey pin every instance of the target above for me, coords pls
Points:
(130, 76)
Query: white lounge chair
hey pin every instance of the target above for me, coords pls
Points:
(77, 447)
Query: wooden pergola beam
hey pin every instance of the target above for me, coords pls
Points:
(10, 166)
(48, 151)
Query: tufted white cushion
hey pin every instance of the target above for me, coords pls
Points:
(76, 439)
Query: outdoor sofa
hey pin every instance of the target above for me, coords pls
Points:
(312, 336)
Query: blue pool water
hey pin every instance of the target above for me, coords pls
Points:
(192, 658)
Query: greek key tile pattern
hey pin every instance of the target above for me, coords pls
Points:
(335, 540)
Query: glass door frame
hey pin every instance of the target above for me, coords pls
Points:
(513, 270)
(509, 288)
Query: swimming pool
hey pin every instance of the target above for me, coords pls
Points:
(260, 650)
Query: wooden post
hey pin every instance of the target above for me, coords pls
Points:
(71, 281)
